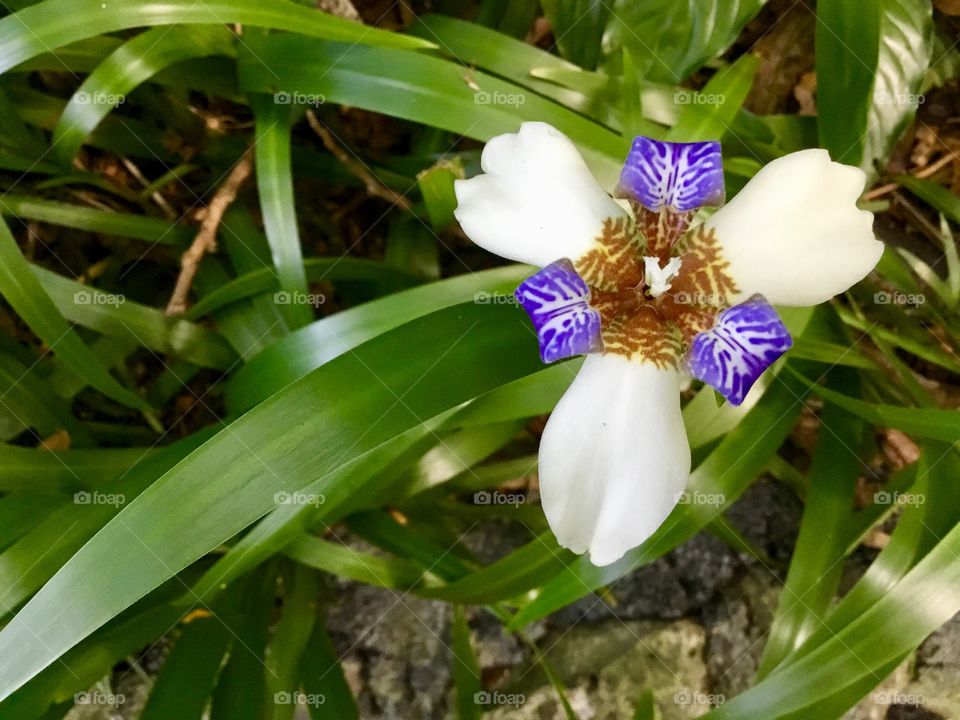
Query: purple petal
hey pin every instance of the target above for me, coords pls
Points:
(557, 301)
(745, 341)
(682, 176)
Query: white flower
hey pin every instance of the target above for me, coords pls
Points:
(647, 294)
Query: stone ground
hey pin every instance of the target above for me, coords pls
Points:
(690, 626)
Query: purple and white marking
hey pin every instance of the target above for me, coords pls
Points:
(682, 176)
(557, 300)
(746, 340)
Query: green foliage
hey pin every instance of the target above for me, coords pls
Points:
(410, 391)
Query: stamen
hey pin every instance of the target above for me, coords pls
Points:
(658, 279)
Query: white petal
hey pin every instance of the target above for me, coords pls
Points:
(794, 233)
(536, 201)
(614, 457)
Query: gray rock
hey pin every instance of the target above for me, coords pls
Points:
(607, 666)
(402, 645)
(674, 586)
(768, 514)
(737, 626)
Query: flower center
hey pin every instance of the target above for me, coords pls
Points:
(658, 278)
(655, 282)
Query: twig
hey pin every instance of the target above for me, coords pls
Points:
(370, 182)
(923, 173)
(206, 239)
(157, 197)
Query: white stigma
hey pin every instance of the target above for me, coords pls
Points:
(658, 278)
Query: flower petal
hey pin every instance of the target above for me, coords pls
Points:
(537, 202)
(614, 458)
(557, 301)
(794, 233)
(682, 176)
(746, 340)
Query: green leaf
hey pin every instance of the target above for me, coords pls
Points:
(118, 317)
(926, 597)
(387, 81)
(578, 27)
(289, 641)
(133, 63)
(51, 24)
(23, 291)
(309, 347)
(247, 463)
(466, 669)
(138, 227)
(28, 402)
(241, 692)
(931, 423)
(323, 677)
(817, 560)
(870, 61)
(722, 98)
(189, 672)
(669, 40)
(940, 198)
(342, 560)
(906, 49)
(264, 280)
(847, 52)
(275, 183)
(436, 187)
